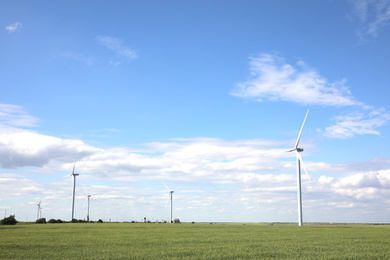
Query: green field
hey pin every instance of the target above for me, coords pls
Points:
(193, 241)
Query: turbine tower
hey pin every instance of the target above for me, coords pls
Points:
(74, 188)
(171, 197)
(298, 150)
(89, 198)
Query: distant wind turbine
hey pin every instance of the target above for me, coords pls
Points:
(298, 150)
(39, 209)
(88, 201)
(171, 195)
(74, 188)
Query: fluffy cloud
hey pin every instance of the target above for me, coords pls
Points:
(357, 124)
(26, 148)
(275, 80)
(13, 27)
(208, 158)
(20, 147)
(363, 186)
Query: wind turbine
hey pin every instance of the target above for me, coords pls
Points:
(298, 150)
(171, 195)
(74, 188)
(88, 200)
(39, 209)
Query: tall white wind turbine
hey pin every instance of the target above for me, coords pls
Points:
(298, 150)
(171, 197)
(74, 188)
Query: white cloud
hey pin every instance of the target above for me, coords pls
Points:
(358, 187)
(184, 159)
(13, 27)
(275, 80)
(20, 147)
(373, 15)
(363, 186)
(25, 148)
(117, 46)
(357, 124)
(14, 115)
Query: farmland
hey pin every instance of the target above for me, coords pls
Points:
(193, 241)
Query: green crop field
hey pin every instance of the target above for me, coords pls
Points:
(193, 241)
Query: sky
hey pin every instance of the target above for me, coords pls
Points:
(204, 95)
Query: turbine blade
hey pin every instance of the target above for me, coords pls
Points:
(303, 165)
(166, 186)
(177, 188)
(74, 166)
(300, 132)
(86, 193)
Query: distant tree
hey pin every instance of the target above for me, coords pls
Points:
(52, 220)
(9, 221)
(41, 221)
(100, 221)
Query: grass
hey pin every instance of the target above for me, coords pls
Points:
(193, 241)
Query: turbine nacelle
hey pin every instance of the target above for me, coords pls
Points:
(299, 150)
(73, 173)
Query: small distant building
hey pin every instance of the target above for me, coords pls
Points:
(177, 221)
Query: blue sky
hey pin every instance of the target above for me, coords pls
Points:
(204, 95)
